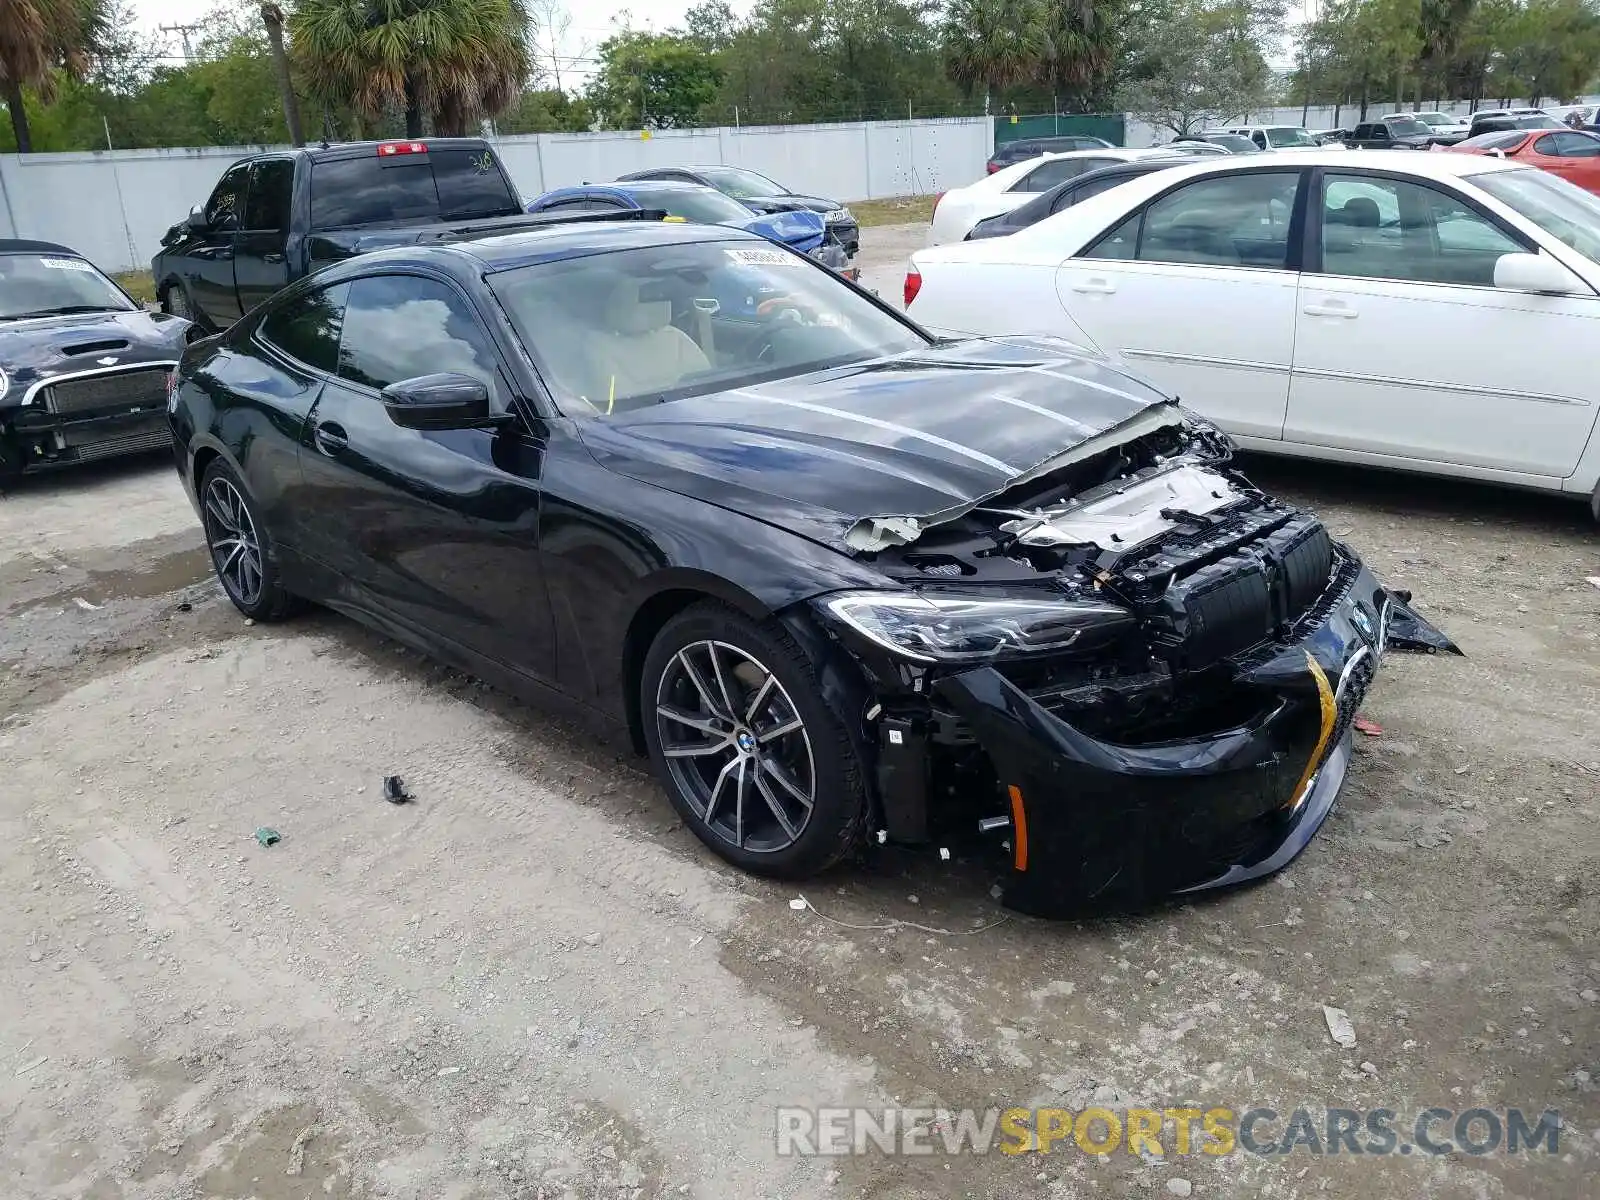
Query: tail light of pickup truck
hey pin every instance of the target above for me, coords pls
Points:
(389, 149)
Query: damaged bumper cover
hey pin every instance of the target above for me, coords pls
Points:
(1097, 824)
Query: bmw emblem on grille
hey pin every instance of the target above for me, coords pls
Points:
(1359, 618)
(109, 360)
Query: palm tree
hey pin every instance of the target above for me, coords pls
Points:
(1078, 47)
(37, 38)
(992, 43)
(457, 60)
(272, 18)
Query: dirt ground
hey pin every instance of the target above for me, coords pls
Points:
(533, 982)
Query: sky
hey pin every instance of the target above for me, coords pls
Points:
(592, 22)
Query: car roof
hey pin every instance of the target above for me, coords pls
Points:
(655, 185)
(573, 239)
(28, 246)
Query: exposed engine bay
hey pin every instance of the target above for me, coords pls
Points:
(1205, 602)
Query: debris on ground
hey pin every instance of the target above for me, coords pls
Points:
(394, 790)
(1594, 580)
(1340, 1028)
(1368, 726)
(268, 837)
(85, 605)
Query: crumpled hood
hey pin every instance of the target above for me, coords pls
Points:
(39, 347)
(800, 228)
(868, 455)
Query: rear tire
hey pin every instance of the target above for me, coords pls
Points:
(241, 549)
(748, 751)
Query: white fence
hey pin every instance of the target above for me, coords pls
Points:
(113, 206)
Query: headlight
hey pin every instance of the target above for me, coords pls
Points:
(955, 628)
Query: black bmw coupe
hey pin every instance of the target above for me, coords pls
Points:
(83, 369)
(840, 580)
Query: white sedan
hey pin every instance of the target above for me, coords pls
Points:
(1427, 312)
(955, 212)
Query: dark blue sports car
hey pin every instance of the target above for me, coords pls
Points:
(841, 581)
(83, 369)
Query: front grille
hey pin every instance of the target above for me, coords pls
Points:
(143, 442)
(141, 388)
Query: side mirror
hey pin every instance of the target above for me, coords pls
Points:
(447, 401)
(1535, 273)
(196, 220)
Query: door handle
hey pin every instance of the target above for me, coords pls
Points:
(1102, 287)
(272, 257)
(330, 438)
(1334, 309)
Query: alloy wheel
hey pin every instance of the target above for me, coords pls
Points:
(736, 746)
(235, 547)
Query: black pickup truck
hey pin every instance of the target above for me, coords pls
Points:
(275, 217)
(1391, 133)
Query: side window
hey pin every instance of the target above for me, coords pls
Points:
(307, 328)
(227, 199)
(1077, 195)
(1568, 145)
(1362, 131)
(582, 204)
(1226, 221)
(1121, 243)
(1056, 170)
(271, 190)
(1259, 138)
(1374, 228)
(403, 326)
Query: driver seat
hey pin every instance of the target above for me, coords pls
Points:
(640, 349)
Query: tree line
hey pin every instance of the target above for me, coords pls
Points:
(76, 74)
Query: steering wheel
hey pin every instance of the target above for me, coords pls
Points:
(775, 313)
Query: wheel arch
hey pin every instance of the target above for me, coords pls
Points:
(671, 592)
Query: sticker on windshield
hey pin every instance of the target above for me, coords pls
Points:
(66, 264)
(763, 258)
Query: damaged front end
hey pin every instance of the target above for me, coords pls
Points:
(1135, 671)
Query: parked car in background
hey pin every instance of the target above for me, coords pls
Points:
(1391, 133)
(801, 230)
(1277, 137)
(1073, 191)
(276, 217)
(84, 370)
(1233, 143)
(1576, 116)
(1573, 154)
(1374, 335)
(1444, 128)
(1024, 148)
(1500, 120)
(816, 568)
(959, 209)
(760, 194)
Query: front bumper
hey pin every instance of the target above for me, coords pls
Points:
(38, 440)
(848, 235)
(1098, 824)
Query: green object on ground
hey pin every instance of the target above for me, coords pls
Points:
(268, 837)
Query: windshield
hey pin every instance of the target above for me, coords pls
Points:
(705, 205)
(741, 184)
(442, 185)
(1434, 119)
(1238, 143)
(620, 331)
(1563, 210)
(1407, 127)
(1286, 136)
(1539, 122)
(43, 285)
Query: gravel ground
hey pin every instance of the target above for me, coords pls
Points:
(532, 982)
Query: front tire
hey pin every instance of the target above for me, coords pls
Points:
(242, 553)
(748, 751)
